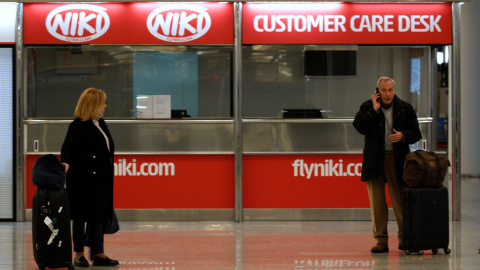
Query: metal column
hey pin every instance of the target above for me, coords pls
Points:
(19, 115)
(237, 91)
(456, 152)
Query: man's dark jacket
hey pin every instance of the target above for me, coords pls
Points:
(90, 175)
(372, 125)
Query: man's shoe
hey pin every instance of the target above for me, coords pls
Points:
(82, 262)
(97, 261)
(379, 248)
(401, 247)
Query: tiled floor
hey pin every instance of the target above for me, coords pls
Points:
(263, 245)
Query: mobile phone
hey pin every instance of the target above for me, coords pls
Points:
(376, 91)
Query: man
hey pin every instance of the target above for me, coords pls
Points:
(389, 125)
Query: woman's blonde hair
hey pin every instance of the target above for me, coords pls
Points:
(89, 103)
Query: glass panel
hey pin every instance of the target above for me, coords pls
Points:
(7, 164)
(196, 79)
(275, 79)
(441, 89)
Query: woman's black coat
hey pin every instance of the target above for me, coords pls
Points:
(90, 175)
(372, 125)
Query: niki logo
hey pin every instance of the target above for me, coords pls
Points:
(179, 22)
(77, 22)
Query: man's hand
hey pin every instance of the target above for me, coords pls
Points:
(397, 136)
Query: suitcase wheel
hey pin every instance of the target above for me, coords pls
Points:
(419, 252)
(71, 267)
(435, 251)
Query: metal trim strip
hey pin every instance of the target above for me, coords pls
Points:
(306, 153)
(167, 214)
(128, 121)
(249, 214)
(218, 121)
(147, 153)
(321, 120)
(310, 214)
(373, 1)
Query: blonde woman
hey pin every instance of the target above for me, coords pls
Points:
(87, 154)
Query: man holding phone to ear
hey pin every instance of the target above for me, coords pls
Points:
(389, 125)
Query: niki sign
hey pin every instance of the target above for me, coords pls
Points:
(179, 23)
(128, 23)
(347, 23)
(77, 23)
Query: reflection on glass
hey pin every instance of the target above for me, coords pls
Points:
(275, 78)
(197, 79)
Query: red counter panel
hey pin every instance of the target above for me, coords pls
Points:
(208, 181)
(167, 181)
(304, 181)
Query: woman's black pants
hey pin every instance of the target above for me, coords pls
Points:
(91, 236)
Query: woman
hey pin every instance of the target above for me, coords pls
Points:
(87, 154)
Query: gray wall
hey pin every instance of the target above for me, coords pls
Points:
(470, 94)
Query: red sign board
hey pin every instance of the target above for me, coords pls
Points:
(128, 23)
(304, 181)
(167, 181)
(208, 181)
(347, 23)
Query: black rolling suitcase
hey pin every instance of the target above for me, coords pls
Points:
(425, 219)
(52, 242)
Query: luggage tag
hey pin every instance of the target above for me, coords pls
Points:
(49, 223)
(54, 234)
